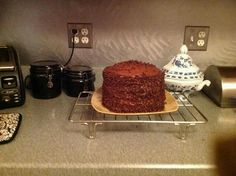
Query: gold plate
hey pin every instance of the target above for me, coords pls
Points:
(96, 101)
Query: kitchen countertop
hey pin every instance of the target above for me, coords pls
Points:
(48, 144)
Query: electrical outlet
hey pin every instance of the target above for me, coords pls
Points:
(76, 40)
(200, 43)
(83, 35)
(85, 40)
(84, 31)
(196, 37)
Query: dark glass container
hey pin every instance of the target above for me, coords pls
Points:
(76, 79)
(45, 79)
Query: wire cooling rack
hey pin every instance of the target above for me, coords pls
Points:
(187, 115)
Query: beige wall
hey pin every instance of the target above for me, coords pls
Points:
(148, 30)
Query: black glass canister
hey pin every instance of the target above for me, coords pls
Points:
(45, 79)
(78, 78)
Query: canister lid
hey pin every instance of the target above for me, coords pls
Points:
(78, 71)
(78, 68)
(45, 65)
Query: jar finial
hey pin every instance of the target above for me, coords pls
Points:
(184, 49)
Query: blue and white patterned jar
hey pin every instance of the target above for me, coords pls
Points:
(182, 75)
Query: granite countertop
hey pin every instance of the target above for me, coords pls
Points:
(48, 144)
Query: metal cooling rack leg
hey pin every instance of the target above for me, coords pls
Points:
(92, 129)
(183, 130)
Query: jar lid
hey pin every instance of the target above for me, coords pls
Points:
(79, 71)
(44, 65)
(182, 62)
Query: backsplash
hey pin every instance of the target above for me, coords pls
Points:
(147, 30)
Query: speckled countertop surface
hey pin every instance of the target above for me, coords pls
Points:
(48, 144)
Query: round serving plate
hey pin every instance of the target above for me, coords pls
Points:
(96, 101)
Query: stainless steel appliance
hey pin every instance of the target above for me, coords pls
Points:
(12, 92)
(223, 85)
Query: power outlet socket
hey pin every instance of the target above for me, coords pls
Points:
(83, 37)
(196, 37)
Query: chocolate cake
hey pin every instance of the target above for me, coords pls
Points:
(132, 87)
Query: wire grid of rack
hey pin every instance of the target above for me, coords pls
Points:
(187, 115)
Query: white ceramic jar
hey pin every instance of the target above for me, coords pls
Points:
(182, 75)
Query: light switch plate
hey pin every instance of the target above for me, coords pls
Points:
(196, 37)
